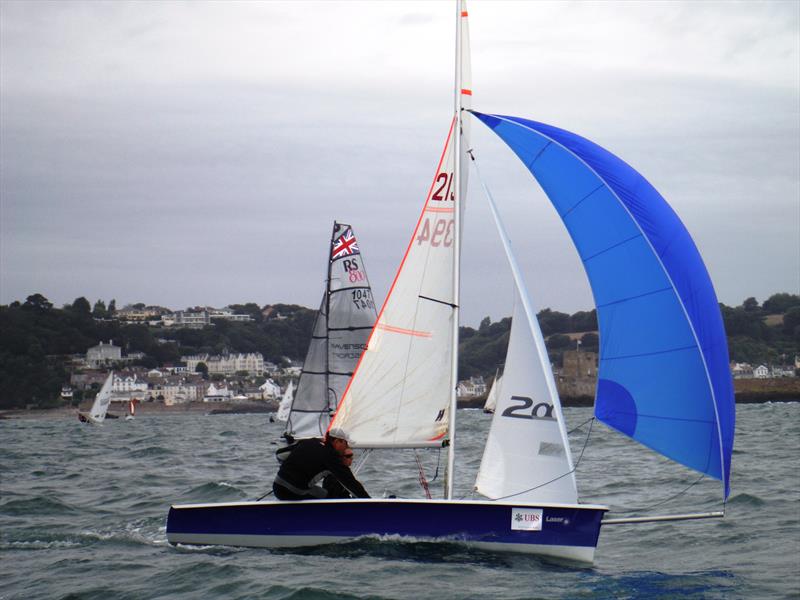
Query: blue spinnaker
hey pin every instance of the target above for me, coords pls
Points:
(663, 378)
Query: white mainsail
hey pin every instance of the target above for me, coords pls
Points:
(402, 392)
(285, 407)
(97, 414)
(527, 456)
(345, 318)
(491, 398)
(399, 395)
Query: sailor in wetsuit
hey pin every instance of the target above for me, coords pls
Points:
(309, 463)
(331, 483)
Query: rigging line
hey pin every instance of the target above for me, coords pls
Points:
(438, 460)
(264, 496)
(422, 481)
(574, 429)
(652, 506)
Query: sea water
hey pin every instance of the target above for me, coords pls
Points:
(83, 509)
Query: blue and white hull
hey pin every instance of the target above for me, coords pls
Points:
(568, 531)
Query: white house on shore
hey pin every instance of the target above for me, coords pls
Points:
(217, 394)
(227, 364)
(103, 354)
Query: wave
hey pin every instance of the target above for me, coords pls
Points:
(214, 491)
(150, 452)
(38, 506)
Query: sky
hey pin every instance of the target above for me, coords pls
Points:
(184, 154)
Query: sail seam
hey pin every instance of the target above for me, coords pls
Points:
(535, 158)
(579, 202)
(667, 351)
(609, 248)
(629, 298)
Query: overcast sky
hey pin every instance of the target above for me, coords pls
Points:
(197, 153)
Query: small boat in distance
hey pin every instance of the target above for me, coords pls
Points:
(285, 407)
(491, 397)
(97, 414)
(129, 416)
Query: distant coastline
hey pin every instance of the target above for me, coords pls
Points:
(747, 391)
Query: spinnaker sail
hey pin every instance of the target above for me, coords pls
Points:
(663, 374)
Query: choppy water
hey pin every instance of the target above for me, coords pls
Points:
(82, 513)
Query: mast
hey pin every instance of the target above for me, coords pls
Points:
(456, 254)
(327, 386)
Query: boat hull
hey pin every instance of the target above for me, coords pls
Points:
(567, 531)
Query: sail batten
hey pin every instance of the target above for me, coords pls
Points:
(662, 344)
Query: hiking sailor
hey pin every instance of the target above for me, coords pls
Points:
(310, 461)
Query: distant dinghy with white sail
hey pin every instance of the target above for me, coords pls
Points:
(97, 414)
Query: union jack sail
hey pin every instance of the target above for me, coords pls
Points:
(346, 245)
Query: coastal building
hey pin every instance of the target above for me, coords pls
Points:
(103, 354)
(578, 364)
(217, 394)
(127, 382)
(469, 388)
(227, 364)
(228, 314)
(146, 313)
(269, 389)
(761, 372)
(177, 390)
(187, 318)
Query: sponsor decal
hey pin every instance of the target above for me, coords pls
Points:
(526, 519)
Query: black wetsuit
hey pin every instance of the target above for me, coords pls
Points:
(301, 473)
(334, 488)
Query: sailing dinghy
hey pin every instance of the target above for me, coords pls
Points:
(663, 375)
(491, 398)
(285, 407)
(341, 328)
(97, 414)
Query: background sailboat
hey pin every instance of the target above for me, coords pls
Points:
(341, 328)
(285, 407)
(97, 414)
(491, 398)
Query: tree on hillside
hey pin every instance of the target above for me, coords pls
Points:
(780, 303)
(552, 321)
(791, 323)
(99, 311)
(751, 305)
(81, 307)
(202, 368)
(38, 303)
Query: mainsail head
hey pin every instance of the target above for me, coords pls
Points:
(663, 367)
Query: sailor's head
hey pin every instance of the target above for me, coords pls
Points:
(338, 439)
